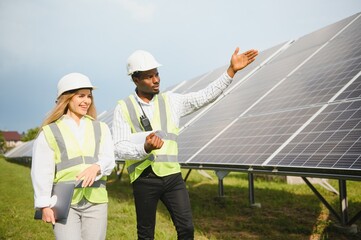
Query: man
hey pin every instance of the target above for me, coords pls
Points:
(152, 164)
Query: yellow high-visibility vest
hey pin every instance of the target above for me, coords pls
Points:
(71, 159)
(163, 161)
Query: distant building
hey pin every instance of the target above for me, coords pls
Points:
(12, 138)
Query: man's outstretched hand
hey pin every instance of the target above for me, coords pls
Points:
(240, 61)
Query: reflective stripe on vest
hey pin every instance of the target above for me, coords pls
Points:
(66, 162)
(131, 113)
(160, 158)
(71, 159)
(134, 117)
(96, 184)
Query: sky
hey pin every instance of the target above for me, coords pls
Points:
(42, 40)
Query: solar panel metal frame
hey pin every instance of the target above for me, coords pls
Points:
(287, 170)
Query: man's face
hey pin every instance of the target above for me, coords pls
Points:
(147, 82)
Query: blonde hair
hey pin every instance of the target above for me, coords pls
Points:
(62, 107)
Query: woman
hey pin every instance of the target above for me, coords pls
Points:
(73, 146)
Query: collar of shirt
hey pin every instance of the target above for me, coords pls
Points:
(151, 102)
(78, 130)
(148, 108)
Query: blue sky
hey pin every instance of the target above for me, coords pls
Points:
(42, 40)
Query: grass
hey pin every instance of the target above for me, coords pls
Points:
(287, 211)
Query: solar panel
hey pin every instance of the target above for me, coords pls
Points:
(198, 83)
(251, 140)
(204, 80)
(248, 93)
(353, 91)
(267, 120)
(23, 150)
(236, 101)
(331, 140)
(107, 117)
(322, 76)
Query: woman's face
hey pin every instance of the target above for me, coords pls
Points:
(80, 103)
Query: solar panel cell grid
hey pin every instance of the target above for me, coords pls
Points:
(203, 81)
(251, 140)
(233, 105)
(322, 76)
(332, 140)
(300, 94)
(316, 38)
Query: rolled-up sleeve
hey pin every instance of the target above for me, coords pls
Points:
(123, 147)
(106, 153)
(190, 102)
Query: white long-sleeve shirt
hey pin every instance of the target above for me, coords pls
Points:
(43, 163)
(180, 104)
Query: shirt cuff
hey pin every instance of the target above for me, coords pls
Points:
(101, 174)
(42, 202)
(142, 151)
(227, 77)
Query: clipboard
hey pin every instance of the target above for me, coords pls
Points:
(139, 137)
(63, 194)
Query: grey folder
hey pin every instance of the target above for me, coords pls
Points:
(64, 193)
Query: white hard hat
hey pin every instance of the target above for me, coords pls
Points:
(141, 60)
(73, 81)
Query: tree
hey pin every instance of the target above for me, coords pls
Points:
(30, 134)
(2, 143)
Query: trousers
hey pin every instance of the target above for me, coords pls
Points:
(148, 189)
(86, 221)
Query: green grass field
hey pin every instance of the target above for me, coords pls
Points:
(287, 212)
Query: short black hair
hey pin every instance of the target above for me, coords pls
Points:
(136, 74)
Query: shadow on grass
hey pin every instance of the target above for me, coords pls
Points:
(283, 215)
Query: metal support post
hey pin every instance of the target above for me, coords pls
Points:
(119, 170)
(189, 172)
(251, 188)
(251, 191)
(220, 188)
(221, 175)
(343, 201)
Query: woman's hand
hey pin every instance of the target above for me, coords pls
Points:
(48, 215)
(88, 175)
